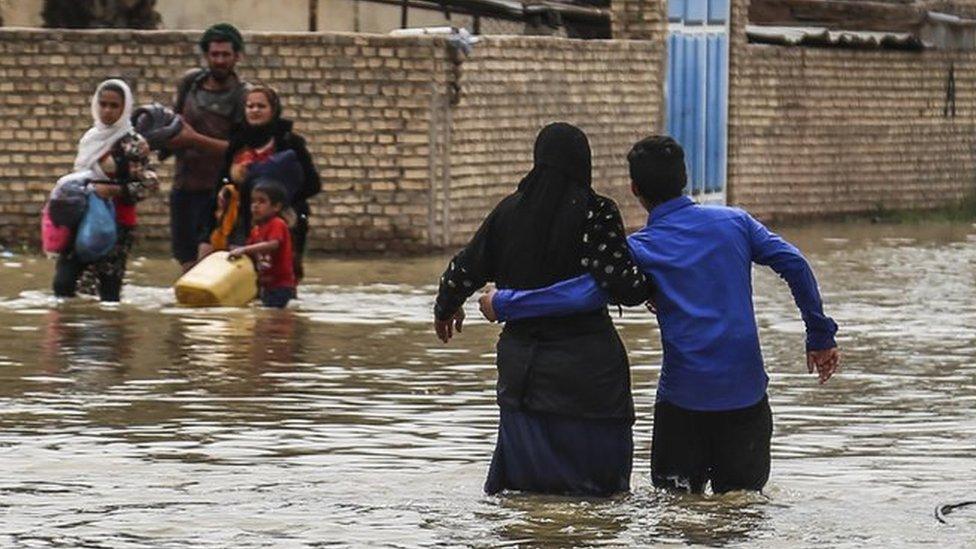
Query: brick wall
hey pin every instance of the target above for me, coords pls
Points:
(811, 130)
(816, 131)
(639, 19)
(511, 87)
(362, 101)
(397, 158)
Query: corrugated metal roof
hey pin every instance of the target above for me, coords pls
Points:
(936, 17)
(948, 32)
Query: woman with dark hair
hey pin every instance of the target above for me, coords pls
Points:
(265, 145)
(563, 387)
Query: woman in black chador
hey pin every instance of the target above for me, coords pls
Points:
(563, 388)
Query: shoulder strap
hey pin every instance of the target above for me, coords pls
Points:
(189, 82)
(238, 98)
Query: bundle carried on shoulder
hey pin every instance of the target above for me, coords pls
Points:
(157, 124)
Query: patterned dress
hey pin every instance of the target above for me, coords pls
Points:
(607, 257)
(127, 164)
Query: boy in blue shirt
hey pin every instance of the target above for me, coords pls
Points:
(712, 420)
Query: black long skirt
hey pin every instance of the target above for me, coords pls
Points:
(553, 454)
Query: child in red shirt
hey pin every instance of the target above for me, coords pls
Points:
(269, 244)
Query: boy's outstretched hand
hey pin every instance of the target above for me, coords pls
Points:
(826, 362)
(445, 328)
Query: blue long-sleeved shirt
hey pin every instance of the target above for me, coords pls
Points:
(700, 259)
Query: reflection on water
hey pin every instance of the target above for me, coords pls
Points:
(341, 420)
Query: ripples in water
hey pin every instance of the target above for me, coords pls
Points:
(342, 420)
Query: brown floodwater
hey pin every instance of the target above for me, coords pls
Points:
(342, 421)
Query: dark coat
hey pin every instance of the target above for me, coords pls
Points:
(544, 232)
(284, 140)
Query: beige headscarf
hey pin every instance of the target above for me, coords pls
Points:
(100, 137)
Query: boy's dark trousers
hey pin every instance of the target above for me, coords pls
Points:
(730, 448)
(277, 297)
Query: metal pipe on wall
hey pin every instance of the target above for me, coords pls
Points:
(313, 15)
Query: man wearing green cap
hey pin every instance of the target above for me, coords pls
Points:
(210, 102)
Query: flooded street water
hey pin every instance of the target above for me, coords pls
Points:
(342, 421)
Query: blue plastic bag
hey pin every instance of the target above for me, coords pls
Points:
(96, 233)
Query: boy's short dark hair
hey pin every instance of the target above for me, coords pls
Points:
(657, 168)
(274, 190)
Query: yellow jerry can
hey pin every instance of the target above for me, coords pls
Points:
(218, 282)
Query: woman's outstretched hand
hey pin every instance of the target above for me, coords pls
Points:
(445, 328)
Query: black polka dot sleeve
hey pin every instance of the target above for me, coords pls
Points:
(607, 257)
(466, 273)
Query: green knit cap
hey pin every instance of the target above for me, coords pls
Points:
(222, 32)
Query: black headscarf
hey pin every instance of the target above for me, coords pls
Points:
(543, 229)
(575, 365)
(258, 136)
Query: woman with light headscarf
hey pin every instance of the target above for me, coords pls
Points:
(116, 160)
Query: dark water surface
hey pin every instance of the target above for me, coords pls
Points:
(342, 421)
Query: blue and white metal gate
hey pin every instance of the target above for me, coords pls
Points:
(697, 91)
